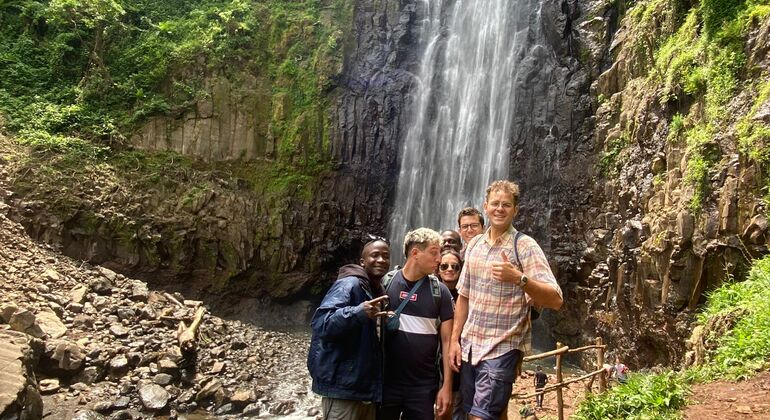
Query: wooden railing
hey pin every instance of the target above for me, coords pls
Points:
(560, 351)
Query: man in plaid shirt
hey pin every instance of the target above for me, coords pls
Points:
(492, 327)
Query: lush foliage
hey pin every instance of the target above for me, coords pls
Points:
(745, 348)
(696, 53)
(97, 69)
(642, 397)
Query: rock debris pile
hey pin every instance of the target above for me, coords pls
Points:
(97, 344)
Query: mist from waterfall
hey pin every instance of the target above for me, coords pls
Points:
(458, 137)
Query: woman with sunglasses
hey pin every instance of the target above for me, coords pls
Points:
(449, 273)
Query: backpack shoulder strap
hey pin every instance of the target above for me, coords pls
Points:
(435, 289)
(387, 278)
(516, 248)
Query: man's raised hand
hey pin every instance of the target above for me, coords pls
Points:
(372, 307)
(505, 270)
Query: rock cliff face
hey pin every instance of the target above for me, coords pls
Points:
(641, 167)
(234, 223)
(649, 195)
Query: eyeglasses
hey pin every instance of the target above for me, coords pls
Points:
(445, 267)
(470, 226)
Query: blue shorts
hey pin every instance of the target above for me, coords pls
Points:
(486, 387)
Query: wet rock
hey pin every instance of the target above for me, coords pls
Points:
(153, 397)
(313, 411)
(186, 396)
(225, 409)
(252, 410)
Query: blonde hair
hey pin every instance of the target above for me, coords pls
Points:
(505, 186)
(420, 238)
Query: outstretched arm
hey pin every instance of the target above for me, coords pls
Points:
(338, 314)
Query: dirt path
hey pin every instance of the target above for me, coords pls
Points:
(748, 399)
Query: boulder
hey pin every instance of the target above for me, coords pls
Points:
(153, 397)
(19, 397)
(50, 324)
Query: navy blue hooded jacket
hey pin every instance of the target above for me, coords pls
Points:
(345, 357)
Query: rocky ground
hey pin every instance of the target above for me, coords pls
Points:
(102, 345)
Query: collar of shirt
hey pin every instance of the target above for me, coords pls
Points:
(501, 239)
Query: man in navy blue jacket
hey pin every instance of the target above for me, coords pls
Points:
(345, 356)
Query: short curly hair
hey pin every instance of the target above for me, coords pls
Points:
(420, 238)
(505, 186)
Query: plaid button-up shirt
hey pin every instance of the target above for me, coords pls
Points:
(498, 312)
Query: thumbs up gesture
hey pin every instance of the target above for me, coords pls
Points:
(505, 271)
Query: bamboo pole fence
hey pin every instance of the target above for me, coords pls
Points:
(559, 352)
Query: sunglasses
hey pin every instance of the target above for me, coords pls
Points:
(445, 266)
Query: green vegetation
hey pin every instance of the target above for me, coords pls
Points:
(73, 72)
(642, 397)
(612, 159)
(703, 61)
(703, 154)
(742, 349)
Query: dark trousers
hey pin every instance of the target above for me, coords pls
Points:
(411, 404)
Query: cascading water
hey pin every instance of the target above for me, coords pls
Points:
(459, 134)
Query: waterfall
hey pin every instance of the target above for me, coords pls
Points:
(457, 140)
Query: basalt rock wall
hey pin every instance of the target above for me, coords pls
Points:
(645, 192)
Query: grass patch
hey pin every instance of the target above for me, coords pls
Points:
(745, 348)
(657, 396)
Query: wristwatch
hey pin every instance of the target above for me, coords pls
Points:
(523, 280)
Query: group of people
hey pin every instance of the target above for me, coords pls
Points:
(440, 337)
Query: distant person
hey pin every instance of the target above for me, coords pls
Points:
(540, 380)
(451, 240)
(621, 371)
(449, 272)
(345, 358)
(492, 325)
(470, 223)
(411, 386)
